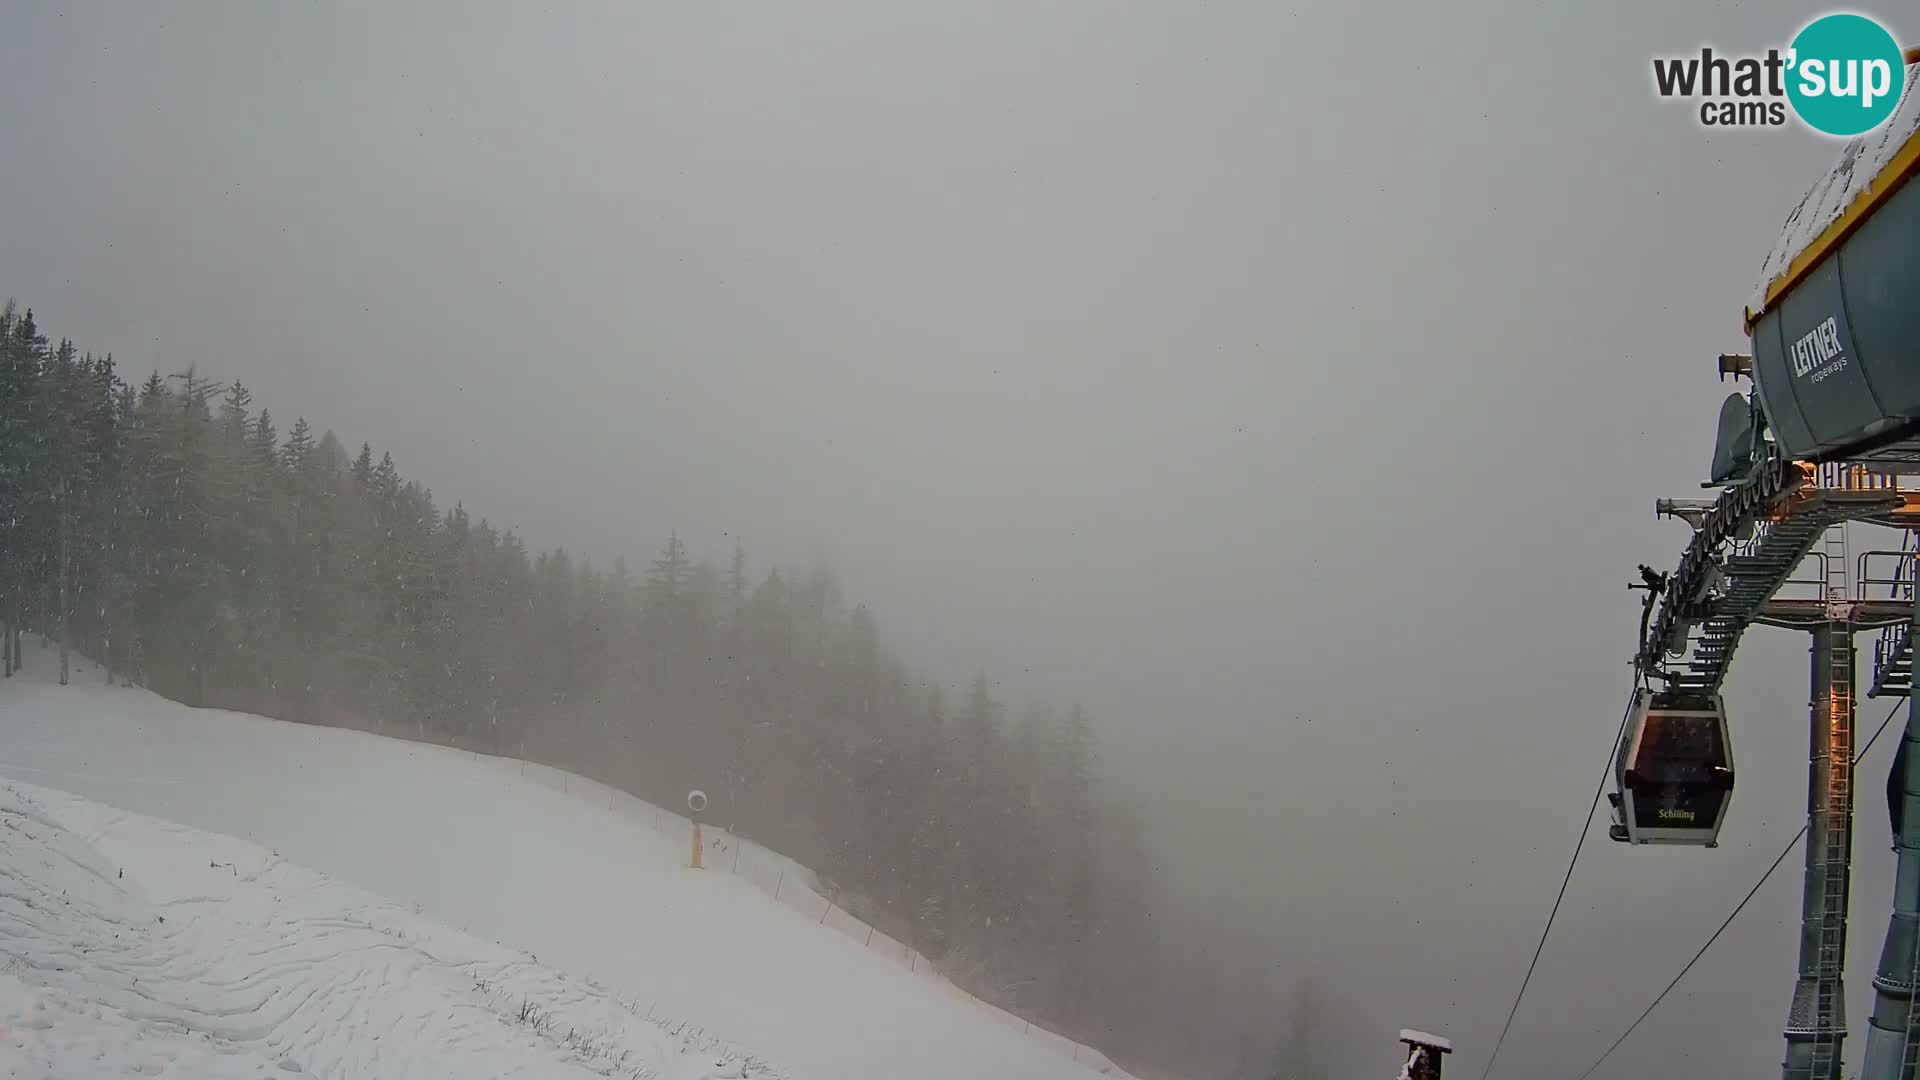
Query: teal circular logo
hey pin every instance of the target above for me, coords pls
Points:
(1844, 74)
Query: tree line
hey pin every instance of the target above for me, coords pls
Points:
(172, 532)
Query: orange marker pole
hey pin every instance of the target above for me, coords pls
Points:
(696, 846)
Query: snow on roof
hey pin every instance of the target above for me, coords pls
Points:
(1424, 1039)
(1861, 161)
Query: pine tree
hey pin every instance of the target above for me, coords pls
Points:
(233, 414)
(363, 469)
(261, 439)
(22, 477)
(299, 448)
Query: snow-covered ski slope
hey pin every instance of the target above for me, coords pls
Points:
(585, 886)
(132, 946)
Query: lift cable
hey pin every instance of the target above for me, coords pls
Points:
(1586, 824)
(1784, 852)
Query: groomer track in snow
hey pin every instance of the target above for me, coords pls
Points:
(131, 945)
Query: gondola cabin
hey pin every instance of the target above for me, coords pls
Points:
(1674, 773)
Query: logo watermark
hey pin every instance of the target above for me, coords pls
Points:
(1841, 75)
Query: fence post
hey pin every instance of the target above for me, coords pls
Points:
(696, 802)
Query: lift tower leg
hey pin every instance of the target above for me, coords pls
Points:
(1817, 1018)
(1893, 1031)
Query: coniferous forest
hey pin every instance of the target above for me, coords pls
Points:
(175, 529)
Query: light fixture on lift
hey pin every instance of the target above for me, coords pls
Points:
(1692, 511)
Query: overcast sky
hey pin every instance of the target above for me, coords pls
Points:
(1291, 385)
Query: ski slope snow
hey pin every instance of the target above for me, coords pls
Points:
(135, 946)
(565, 895)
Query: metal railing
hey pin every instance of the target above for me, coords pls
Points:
(1893, 650)
(1848, 476)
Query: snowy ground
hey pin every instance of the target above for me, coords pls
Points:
(272, 961)
(132, 946)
